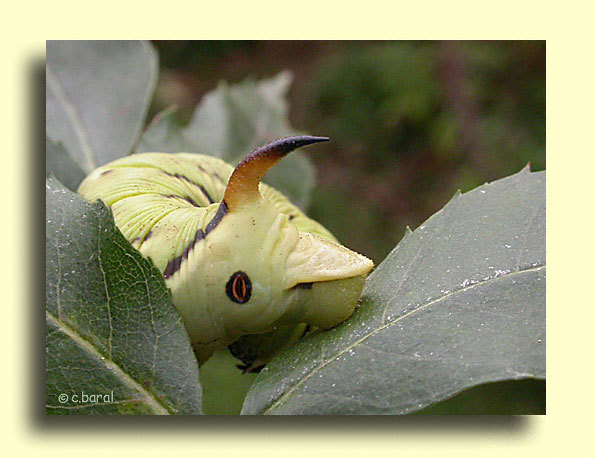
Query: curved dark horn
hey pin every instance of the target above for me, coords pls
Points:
(242, 186)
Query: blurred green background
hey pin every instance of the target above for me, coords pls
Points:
(410, 123)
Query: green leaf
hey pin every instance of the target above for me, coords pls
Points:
(229, 123)
(166, 135)
(459, 302)
(111, 330)
(59, 162)
(232, 120)
(98, 94)
(521, 397)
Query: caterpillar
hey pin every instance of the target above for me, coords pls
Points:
(239, 258)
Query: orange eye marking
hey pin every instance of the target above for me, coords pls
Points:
(239, 287)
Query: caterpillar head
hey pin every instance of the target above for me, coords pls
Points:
(256, 270)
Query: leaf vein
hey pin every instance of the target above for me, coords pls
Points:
(316, 369)
(107, 295)
(77, 123)
(149, 398)
(412, 262)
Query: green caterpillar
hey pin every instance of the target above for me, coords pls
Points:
(239, 257)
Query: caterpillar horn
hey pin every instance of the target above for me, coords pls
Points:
(242, 187)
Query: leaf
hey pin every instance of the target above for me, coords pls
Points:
(111, 330)
(98, 94)
(60, 163)
(522, 396)
(459, 302)
(232, 120)
(166, 135)
(229, 123)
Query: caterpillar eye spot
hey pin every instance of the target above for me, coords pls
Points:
(239, 287)
(199, 213)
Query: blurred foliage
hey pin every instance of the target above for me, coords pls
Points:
(410, 123)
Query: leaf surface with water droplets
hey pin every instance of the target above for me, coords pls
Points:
(458, 303)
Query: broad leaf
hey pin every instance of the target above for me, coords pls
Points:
(166, 135)
(235, 119)
(459, 302)
(505, 397)
(98, 94)
(62, 165)
(110, 327)
(230, 122)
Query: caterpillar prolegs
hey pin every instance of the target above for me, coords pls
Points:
(239, 257)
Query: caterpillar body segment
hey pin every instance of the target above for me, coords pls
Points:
(239, 257)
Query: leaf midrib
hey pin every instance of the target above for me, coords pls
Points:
(148, 397)
(287, 394)
(73, 115)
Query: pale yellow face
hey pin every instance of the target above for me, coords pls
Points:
(256, 271)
